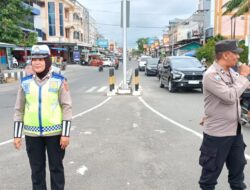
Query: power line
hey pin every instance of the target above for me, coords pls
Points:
(117, 25)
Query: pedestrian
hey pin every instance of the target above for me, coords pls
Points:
(43, 111)
(222, 137)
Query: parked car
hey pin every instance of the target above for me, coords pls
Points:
(142, 61)
(181, 72)
(107, 62)
(151, 66)
(95, 61)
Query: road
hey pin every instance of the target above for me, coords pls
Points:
(150, 142)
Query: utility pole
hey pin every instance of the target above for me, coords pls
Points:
(125, 24)
(248, 36)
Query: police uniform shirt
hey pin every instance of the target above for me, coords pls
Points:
(221, 100)
(64, 99)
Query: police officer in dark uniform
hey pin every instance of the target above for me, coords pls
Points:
(222, 139)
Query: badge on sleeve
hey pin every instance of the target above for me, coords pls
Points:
(217, 77)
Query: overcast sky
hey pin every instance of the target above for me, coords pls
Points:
(147, 17)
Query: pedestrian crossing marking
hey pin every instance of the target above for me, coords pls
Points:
(96, 89)
(91, 89)
(102, 89)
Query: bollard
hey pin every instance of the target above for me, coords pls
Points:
(111, 80)
(136, 79)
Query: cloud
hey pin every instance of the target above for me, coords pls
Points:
(150, 16)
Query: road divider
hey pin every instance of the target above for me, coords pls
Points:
(137, 90)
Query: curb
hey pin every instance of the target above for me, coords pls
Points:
(15, 75)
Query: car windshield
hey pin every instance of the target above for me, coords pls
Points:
(185, 63)
(152, 61)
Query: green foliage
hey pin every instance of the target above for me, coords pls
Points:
(239, 7)
(244, 54)
(13, 16)
(140, 42)
(208, 51)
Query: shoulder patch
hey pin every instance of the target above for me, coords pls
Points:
(217, 77)
(26, 78)
(57, 76)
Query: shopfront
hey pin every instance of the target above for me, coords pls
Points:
(5, 55)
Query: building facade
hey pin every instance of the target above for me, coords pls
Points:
(227, 26)
(64, 25)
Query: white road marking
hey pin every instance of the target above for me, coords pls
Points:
(71, 162)
(135, 125)
(75, 116)
(88, 133)
(72, 128)
(91, 89)
(160, 131)
(176, 123)
(91, 109)
(82, 170)
(102, 89)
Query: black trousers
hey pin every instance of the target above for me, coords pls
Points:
(36, 149)
(215, 151)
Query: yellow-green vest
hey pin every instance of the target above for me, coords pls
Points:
(43, 112)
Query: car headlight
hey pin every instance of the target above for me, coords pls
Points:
(177, 74)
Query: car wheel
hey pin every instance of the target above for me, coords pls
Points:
(161, 84)
(170, 86)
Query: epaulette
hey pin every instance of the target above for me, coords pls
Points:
(27, 78)
(57, 76)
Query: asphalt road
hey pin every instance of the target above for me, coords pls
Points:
(149, 142)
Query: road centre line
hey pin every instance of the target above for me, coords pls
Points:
(75, 116)
(176, 123)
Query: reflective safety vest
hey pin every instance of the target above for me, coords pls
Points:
(43, 112)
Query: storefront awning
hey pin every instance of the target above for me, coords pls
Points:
(21, 48)
(59, 49)
(6, 45)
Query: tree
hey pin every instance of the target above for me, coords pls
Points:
(208, 51)
(239, 6)
(13, 16)
(140, 43)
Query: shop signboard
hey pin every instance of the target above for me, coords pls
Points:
(150, 41)
(76, 56)
(103, 43)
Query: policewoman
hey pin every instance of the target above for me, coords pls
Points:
(222, 138)
(43, 112)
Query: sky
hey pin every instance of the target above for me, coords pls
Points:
(148, 18)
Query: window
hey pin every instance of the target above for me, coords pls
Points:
(61, 19)
(51, 14)
(67, 33)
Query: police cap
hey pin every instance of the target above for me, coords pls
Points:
(40, 51)
(227, 45)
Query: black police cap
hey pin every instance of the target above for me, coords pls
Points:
(227, 45)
